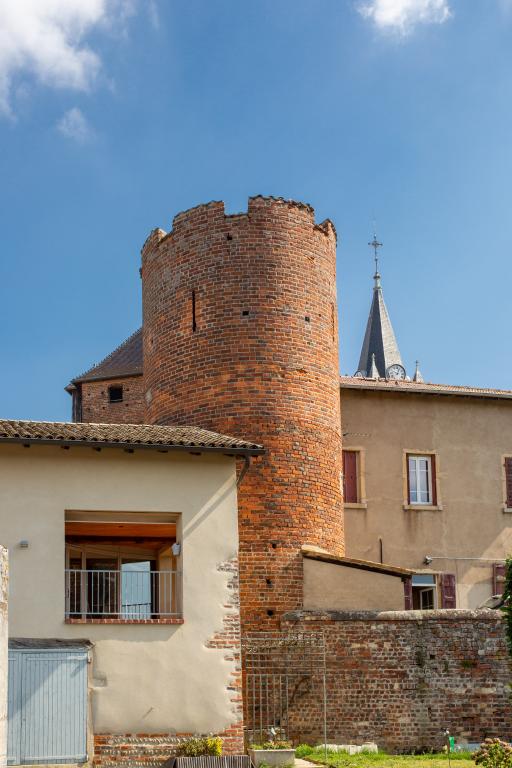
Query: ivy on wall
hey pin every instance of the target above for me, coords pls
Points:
(507, 602)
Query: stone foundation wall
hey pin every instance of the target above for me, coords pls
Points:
(400, 678)
(4, 583)
(145, 750)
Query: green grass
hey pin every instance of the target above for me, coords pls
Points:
(383, 760)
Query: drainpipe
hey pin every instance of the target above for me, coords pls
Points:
(247, 464)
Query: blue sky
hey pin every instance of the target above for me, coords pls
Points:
(116, 115)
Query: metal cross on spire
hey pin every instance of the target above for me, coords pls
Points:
(376, 245)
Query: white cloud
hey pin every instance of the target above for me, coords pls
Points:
(74, 125)
(45, 39)
(154, 16)
(403, 15)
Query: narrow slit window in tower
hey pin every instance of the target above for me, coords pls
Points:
(194, 323)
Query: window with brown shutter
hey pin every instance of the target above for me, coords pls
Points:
(350, 479)
(498, 578)
(448, 592)
(434, 481)
(508, 480)
(408, 594)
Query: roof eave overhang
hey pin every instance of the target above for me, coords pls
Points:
(129, 446)
(103, 377)
(424, 391)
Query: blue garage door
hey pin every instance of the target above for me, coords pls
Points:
(47, 706)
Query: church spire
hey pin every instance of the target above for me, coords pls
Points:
(379, 353)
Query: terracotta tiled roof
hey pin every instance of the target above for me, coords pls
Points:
(125, 360)
(122, 435)
(422, 388)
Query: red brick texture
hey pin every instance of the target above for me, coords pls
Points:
(142, 750)
(401, 678)
(97, 409)
(241, 336)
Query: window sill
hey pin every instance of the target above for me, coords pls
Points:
(423, 507)
(169, 620)
(358, 505)
(507, 510)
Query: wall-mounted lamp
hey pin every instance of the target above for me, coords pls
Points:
(427, 560)
(23, 544)
(176, 549)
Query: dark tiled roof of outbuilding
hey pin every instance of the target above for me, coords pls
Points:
(123, 436)
(125, 360)
(421, 388)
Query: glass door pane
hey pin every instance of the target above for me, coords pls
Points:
(102, 586)
(138, 592)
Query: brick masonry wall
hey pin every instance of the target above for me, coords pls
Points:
(142, 750)
(241, 336)
(97, 409)
(401, 678)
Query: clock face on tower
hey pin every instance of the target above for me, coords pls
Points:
(395, 371)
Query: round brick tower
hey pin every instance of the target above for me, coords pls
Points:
(241, 337)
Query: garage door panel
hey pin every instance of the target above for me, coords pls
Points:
(52, 706)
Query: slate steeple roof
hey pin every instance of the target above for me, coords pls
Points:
(380, 348)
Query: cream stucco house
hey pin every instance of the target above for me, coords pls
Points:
(124, 617)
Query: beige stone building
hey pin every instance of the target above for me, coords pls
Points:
(462, 525)
(427, 474)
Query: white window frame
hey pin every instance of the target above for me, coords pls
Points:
(416, 458)
(422, 589)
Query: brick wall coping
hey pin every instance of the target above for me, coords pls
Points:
(446, 614)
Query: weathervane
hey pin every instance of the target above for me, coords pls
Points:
(376, 245)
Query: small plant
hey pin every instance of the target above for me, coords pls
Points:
(507, 602)
(198, 746)
(494, 753)
(303, 750)
(273, 745)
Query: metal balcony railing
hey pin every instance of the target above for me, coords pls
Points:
(123, 594)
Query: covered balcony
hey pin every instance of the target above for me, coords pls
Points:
(122, 570)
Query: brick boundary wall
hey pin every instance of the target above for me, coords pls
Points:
(401, 677)
(148, 750)
(143, 750)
